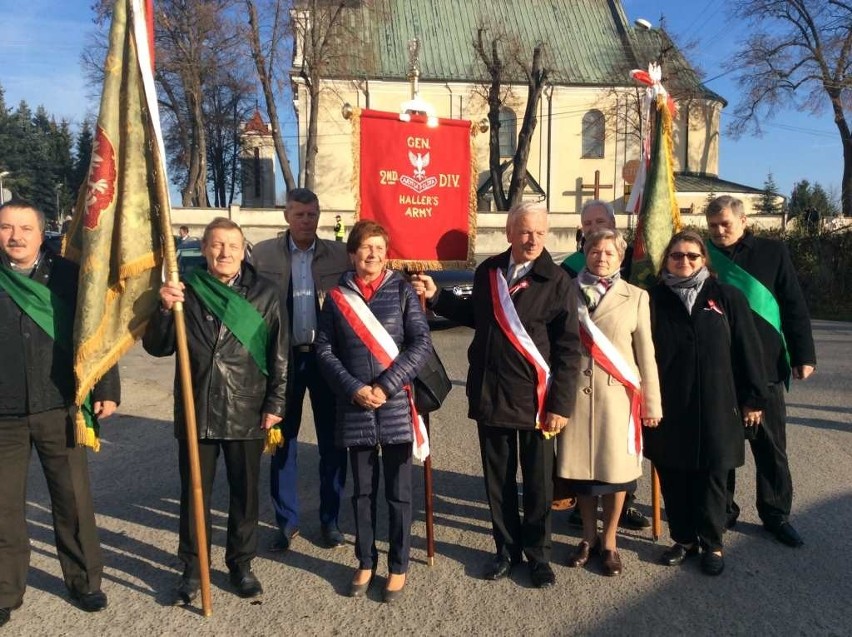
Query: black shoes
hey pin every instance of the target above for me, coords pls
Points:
(786, 534)
(185, 593)
(392, 596)
(632, 519)
(675, 555)
(5, 616)
(283, 540)
(499, 568)
(332, 537)
(90, 602)
(246, 583)
(712, 564)
(542, 575)
(359, 590)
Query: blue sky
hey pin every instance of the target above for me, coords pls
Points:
(41, 42)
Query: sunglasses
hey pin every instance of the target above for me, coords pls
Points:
(678, 256)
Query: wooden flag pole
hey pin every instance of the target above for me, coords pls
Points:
(186, 390)
(170, 258)
(427, 483)
(656, 520)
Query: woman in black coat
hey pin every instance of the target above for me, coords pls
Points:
(360, 317)
(713, 389)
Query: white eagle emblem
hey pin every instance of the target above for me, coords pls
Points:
(419, 162)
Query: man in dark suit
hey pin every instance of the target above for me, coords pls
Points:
(737, 254)
(305, 268)
(524, 326)
(36, 410)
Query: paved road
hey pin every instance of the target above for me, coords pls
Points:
(767, 588)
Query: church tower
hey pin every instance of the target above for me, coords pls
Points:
(258, 163)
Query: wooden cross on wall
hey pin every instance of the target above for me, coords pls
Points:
(597, 186)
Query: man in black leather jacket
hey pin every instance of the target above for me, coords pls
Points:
(36, 410)
(236, 401)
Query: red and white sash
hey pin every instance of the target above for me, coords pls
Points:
(605, 354)
(383, 348)
(512, 328)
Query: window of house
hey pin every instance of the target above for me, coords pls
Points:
(593, 135)
(508, 134)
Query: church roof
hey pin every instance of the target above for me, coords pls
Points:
(587, 42)
(257, 125)
(702, 182)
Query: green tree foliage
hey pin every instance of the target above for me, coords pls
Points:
(768, 204)
(808, 204)
(36, 151)
(82, 158)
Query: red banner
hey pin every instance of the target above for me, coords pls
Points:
(418, 182)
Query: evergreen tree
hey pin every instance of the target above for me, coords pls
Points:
(768, 205)
(82, 158)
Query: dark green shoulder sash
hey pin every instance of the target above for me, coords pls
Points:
(760, 299)
(575, 262)
(235, 313)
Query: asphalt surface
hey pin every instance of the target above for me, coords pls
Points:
(767, 588)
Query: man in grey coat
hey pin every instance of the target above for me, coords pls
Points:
(305, 268)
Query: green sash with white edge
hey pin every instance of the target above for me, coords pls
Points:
(760, 299)
(54, 318)
(574, 262)
(238, 315)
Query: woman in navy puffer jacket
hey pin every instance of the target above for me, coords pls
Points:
(373, 405)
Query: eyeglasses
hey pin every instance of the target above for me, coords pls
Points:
(678, 256)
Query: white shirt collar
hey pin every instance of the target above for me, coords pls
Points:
(295, 248)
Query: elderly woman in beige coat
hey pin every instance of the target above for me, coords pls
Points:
(600, 452)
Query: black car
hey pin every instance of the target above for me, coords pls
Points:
(458, 282)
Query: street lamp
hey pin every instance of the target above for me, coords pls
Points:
(5, 173)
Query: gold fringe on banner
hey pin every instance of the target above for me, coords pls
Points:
(274, 439)
(356, 159)
(666, 119)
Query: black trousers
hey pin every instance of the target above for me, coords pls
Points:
(695, 505)
(501, 448)
(242, 466)
(769, 448)
(396, 465)
(66, 469)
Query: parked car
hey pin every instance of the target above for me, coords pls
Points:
(458, 282)
(189, 256)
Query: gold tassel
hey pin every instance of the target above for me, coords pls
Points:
(274, 439)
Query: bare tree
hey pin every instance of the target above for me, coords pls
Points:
(502, 60)
(797, 56)
(196, 48)
(321, 40)
(265, 53)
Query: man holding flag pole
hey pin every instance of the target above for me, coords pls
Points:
(122, 234)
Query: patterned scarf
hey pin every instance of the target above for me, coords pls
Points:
(593, 287)
(686, 287)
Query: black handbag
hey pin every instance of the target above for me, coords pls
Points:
(431, 385)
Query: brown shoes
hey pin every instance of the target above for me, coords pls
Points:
(581, 554)
(611, 562)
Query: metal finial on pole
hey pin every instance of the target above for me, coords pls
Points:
(414, 66)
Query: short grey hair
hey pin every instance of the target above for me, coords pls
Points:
(610, 211)
(599, 236)
(725, 202)
(523, 208)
